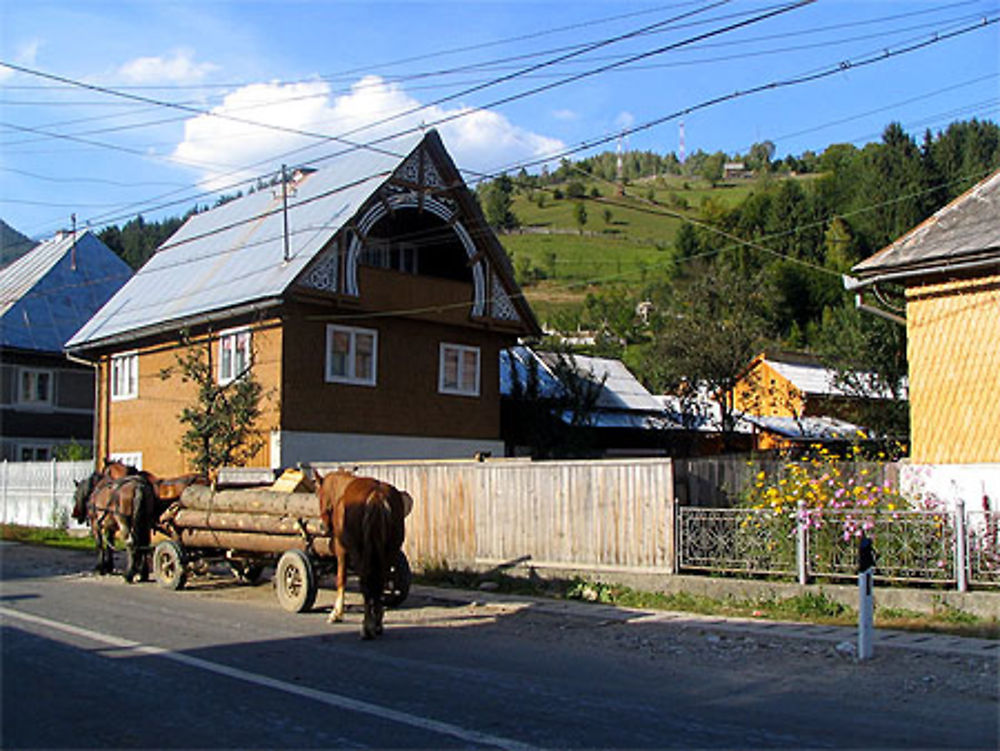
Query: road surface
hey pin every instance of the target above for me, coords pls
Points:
(92, 662)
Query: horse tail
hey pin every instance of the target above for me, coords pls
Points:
(375, 525)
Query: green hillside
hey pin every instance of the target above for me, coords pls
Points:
(626, 238)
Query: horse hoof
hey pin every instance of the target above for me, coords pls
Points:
(367, 634)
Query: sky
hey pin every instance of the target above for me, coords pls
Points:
(109, 109)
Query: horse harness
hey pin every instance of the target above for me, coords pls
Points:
(115, 486)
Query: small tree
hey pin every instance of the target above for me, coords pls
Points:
(221, 424)
(580, 216)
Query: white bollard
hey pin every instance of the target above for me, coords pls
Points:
(866, 614)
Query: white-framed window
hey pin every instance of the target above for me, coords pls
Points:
(35, 387)
(125, 376)
(129, 458)
(351, 355)
(234, 354)
(458, 371)
(28, 452)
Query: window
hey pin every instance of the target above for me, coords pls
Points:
(459, 370)
(234, 354)
(130, 458)
(398, 256)
(125, 376)
(351, 355)
(35, 387)
(34, 453)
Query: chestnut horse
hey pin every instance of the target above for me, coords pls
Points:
(127, 506)
(365, 518)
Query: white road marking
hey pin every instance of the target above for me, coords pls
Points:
(324, 697)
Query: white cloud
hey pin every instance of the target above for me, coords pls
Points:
(24, 54)
(479, 140)
(178, 68)
(565, 114)
(625, 120)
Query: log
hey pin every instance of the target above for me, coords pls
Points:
(251, 501)
(233, 521)
(251, 542)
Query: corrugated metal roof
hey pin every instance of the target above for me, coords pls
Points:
(809, 428)
(234, 254)
(44, 299)
(966, 228)
(623, 402)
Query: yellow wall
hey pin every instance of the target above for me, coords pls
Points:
(763, 391)
(150, 423)
(953, 332)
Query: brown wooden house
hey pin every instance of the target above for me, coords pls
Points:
(949, 267)
(369, 298)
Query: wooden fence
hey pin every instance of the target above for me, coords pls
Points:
(599, 515)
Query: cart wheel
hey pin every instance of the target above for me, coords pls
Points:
(246, 572)
(397, 583)
(295, 581)
(168, 565)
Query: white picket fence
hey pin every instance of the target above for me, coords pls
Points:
(40, 494)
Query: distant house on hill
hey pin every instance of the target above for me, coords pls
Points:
(949, 266)
(46, 400)
(790, 399)
(736, 171)
(372, 311)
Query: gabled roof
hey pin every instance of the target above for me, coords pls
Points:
(233, 257)
(965, 233)
(48, 293)
(811, 377)
(821, 429)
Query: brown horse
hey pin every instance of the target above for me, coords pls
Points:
(167, 489)
(125, 506)
(365, 518)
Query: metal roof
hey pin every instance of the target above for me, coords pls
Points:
(233, 255)
(48, 293)
(809, 428)
(965, 230)
(622, 402)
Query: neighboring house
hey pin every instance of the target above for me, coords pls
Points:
(949, 266)
(736, 171)
(587, 406)
(372, 311)
(46, 400)
(790, 398)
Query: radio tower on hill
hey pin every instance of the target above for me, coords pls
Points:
(621, 170)
(681, 155)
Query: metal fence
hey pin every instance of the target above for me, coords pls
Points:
(951, 547)
(40, 494)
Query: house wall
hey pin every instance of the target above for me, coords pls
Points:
(68, 418)
(405, 400)
(953, 329)
(764, 391)
(149, 424)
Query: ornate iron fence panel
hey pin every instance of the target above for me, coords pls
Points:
(982, 531)
(909, 545)
(735, 541)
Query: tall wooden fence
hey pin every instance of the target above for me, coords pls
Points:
(606, 515)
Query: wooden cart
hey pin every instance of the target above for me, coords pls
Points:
(252, 529)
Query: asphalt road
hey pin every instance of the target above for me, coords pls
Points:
(91, 662)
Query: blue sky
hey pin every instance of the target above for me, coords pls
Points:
(86, 145)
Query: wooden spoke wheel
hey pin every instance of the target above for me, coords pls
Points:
(295, 581)
(168, 565)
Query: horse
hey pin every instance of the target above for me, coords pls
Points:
(365, 518)
(166, 489)
(125, 505)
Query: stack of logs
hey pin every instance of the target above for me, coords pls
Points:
(254, 520)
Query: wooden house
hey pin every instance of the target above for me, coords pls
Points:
(368, 298)
(46, 399)
(790, 399)
(949, 268)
